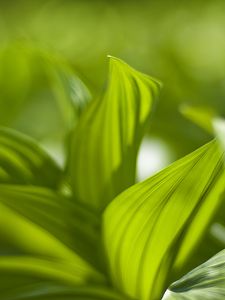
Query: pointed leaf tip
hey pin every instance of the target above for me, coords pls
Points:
(105, 143)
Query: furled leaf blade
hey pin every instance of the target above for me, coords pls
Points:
(104, 145)
(145, 226)
(205, 282)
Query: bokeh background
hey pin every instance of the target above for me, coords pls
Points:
(47, 44)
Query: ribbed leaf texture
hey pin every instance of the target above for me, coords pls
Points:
(151, 228)
(106, 141)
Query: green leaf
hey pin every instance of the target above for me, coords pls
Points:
(28, 277)
(40, 94)
(56, 270)
(54, 225)
(105, 143)
(70, 92)
(205, 282)
(81, 293)
(38, 75)
(205, 118)
(156, 223)
(22, 161)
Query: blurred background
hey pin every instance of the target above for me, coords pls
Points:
(53, 53)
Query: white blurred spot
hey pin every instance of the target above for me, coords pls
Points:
(219, 127)
(218, 231)
(55, 150)
(154, 155)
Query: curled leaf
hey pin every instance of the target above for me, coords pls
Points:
(106, 141)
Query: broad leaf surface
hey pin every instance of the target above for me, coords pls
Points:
(147, 227)
(49, 224)
(106, 140)
(207, 118)
(22, 161)
(205, 282)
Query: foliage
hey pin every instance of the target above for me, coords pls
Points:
(87, 230)
(204, 282)
(181, 43)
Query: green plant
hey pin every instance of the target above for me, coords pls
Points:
(90, 232)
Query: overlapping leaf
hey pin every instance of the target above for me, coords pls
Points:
(150, 225)
(34, 278)
(106, 140)
(22, 161)
(49, 292)
(205, 282)
(65, 230)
